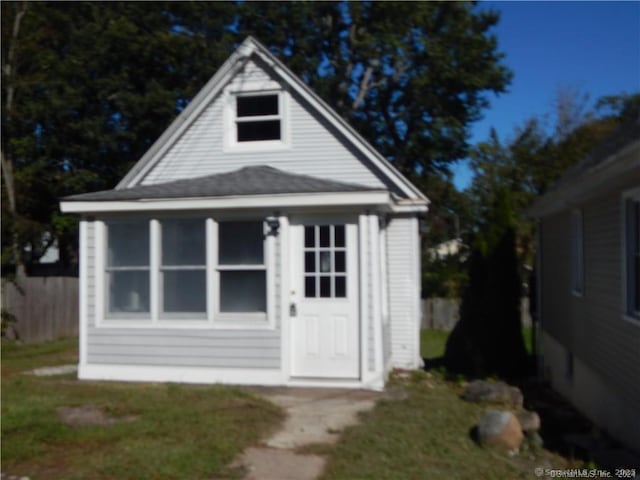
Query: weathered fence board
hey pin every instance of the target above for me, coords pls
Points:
(443, 313)
(45, 308)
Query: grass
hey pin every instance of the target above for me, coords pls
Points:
(433, 342)
(180, 431)
(427, 435)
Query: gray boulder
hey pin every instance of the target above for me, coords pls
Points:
(482, 391)
(498, 428)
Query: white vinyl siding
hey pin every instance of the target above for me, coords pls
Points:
(404, 291)
(313, 147)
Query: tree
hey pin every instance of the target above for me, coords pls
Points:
(87, 87)
(488, 338)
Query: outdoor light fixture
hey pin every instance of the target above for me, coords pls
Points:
(274, 225)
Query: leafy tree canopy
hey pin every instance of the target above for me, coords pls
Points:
(88, 86)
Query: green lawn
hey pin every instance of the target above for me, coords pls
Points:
(180, 431)
(433, 342)
(427, 436)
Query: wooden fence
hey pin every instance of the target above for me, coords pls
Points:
(443, 313)
(43, 308)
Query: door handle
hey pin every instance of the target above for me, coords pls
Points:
(293, 311)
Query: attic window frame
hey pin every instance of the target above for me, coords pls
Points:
(232, 142)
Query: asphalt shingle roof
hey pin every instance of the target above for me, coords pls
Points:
(257, 180)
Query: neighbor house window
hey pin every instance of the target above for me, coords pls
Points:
(632, 254)
(183, 267)
(577, 252)
(127, 268)
(241, 267)
(258, 118)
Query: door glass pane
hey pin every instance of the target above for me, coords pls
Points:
(243, 291)
(241, 243)
(325, 262)
(183, 242)
(325, 287)
(325, 236)
(339, 240)
(309, 236)
(309, 262)
(341, 287)
(128, 244)
(129, 291)
(340, 261)
(184, 291)
(310, 287)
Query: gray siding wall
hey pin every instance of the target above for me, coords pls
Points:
(315, 148)
(404, 290)
(185, 348)
(591, 326)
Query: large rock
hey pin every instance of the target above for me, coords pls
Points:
(493, 392)
(529, 421)
(500, 429)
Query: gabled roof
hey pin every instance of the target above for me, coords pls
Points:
(251, 47)
(615, 159)
(260, 180)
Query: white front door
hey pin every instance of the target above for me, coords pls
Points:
(324, 311)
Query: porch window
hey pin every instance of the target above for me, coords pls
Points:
(258, 118)
(632, 255)
(242, 268)
(127, 268)
(183, 267)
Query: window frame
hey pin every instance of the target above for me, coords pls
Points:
(231, 143)
(232, 318)
(155, 318)
(577, 273)
(164, 316)
(108, 270)
(627, 314)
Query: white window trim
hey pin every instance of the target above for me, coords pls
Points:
(231, 144)
(633, 194)
(577, 275)
(212, 319)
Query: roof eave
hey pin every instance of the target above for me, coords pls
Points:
(570, 194)
(372, 198)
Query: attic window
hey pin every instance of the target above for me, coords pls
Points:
(258, 118)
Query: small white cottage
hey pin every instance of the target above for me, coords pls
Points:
(260, 240)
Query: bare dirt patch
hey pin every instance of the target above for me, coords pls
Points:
(90, 416)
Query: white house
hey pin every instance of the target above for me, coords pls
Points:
(260, 240)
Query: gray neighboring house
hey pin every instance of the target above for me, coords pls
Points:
(589, 284)
(260, 240)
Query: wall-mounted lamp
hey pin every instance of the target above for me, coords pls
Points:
(274, 225)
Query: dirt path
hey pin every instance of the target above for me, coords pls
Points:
(315, 417)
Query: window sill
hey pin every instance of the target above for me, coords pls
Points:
(630, 319)
(257, 146)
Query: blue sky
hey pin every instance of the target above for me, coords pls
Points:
(591, 46)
